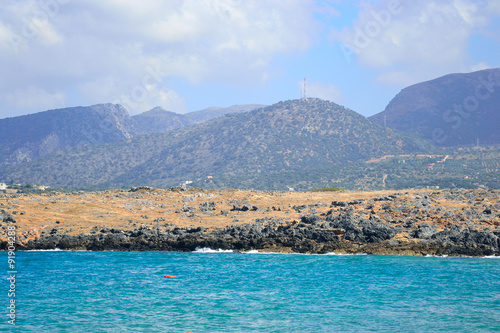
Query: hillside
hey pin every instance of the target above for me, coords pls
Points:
(214, 112)
(453, 110)
(25, 138)
(29, 137)
(289, 136)
(158, 120)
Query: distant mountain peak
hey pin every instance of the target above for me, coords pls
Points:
(452, 110)
(160, 120)
(214, 112)
(27, 137)
(156, 111)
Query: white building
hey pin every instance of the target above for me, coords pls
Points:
(3, 186)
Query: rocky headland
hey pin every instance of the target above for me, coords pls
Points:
(458, 222)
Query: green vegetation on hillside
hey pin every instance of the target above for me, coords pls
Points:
(465, 168)
(329, 189)
(283, 144)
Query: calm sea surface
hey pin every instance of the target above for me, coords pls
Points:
(234, 292)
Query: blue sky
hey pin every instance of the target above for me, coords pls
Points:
(186, 55)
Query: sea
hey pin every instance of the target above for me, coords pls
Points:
(225, 291)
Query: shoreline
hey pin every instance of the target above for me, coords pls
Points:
(455, 222)
(264, 245)
(210, 251)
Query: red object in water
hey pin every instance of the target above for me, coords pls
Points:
(170, 276)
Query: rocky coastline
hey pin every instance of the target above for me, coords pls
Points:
(400, 223)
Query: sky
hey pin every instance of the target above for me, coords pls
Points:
(187, 55)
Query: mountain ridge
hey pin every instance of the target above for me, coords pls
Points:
(287, 136)
(28, 137)
(453, 110)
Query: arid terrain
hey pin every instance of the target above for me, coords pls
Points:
(378, 219)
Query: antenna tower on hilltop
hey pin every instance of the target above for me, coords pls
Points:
(305, 86)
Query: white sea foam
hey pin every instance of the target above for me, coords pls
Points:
(209, 250)
(57, 250)
(309, 254)
(265, 252)
(345, 254)
(434, 256)
(492, 257)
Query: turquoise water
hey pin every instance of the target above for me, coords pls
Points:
(234, 292)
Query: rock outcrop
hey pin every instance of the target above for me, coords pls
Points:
(396, 224)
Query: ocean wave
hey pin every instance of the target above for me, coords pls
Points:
(435, 256)
(209, 250)
(461, 257)
(59, 250)
(266, 252)
(345, 254)
(307, 254)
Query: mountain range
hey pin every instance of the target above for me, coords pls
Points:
(26, 138)
(284, 137)
(301, 143)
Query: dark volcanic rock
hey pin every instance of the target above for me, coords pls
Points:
(424, 231)
(387, 198)
(346, 203)
(311, 219)
(207, 206)
(138, 188)
(243, 208)
(300, 208)
(6, 217)
(377, 231)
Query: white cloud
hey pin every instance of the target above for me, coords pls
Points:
(327, 7)
(480, 66)
(493, 7)
(46, 32)
(5, 37)
(101, 50)
(169, 99)
(32, 98)
(418, 41)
